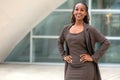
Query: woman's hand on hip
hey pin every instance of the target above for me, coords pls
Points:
(85, 57)
(68, 59)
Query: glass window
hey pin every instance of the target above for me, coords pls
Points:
(106, 4)
(45, 50)
(113, 53)
(107, 23)
(70, 3)
(52, 24)
(21, 53)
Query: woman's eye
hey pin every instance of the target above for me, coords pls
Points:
(79, 9)
(76, 9)
(82, 10)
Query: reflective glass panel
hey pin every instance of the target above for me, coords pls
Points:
(21, 53)
(106, 4)
(108, 24)
(45, 50)
(113, 53)
(52, 24)
(70, 3)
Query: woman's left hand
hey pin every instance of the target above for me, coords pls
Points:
(85, 57)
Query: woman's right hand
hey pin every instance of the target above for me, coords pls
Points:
(68, 59)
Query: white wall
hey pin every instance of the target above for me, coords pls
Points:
(18, 17)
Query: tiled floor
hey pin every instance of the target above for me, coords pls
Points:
(48, 72)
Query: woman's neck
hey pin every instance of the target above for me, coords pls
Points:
(79, 24)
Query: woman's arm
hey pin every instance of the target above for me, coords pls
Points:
(64, 53)
(61, 41)
(104, 45)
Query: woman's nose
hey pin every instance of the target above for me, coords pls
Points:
(79, 11)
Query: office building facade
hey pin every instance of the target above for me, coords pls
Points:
(40, 44)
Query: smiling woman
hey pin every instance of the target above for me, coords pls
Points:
(80, 12)
(80, 39)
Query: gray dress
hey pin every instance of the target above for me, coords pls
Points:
(79, 44)
(78, 70)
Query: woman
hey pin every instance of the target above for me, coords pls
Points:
(80, 39)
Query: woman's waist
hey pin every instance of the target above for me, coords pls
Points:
(80, 64)
(78, 52)
(76, 61)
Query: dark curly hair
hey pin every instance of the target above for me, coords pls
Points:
(86, 18)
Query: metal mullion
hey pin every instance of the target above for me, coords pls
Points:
(63, 10)
(51, 37)
(104, 11)
(113, 38)
(31, 46)
(89, 6)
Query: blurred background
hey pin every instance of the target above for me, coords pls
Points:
(29, 30)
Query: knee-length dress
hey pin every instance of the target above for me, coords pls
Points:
(78, 70)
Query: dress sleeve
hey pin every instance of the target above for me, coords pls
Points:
(61, 41)
(104, 45)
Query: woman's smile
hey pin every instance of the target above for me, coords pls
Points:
(79, 11)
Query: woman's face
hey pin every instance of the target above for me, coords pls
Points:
(79, 11)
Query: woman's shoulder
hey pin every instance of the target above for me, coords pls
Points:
(67, 26)
(91, 28)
